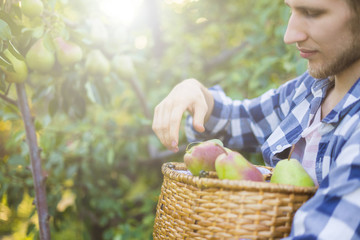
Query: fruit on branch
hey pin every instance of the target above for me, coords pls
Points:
(123, 66)
(232, 165)
(96, 63)
(32, 8)
(20, 72)
(290, 171)
(67, 52)
(39, 57)
(202, 156)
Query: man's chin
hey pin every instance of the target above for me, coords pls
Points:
(317, 73)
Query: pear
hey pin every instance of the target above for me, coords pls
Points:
(96, 63)
(202, 156)
(234, 166)
(20, 72)
(32, 8)
(290, 171)
(68, 53)
(123, 66)
(39, 57)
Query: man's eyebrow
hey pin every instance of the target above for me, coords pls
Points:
(308, 8)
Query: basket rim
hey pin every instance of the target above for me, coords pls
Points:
(169, 170)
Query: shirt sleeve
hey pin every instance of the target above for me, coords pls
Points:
(333, 212)
(245, 124)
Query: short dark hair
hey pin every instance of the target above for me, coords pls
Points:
(355, 8)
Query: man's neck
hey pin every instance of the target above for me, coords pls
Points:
(346, 79)
(343, 82)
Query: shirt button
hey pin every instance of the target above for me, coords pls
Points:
(278, 147)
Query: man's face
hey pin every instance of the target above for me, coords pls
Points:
(322, 33)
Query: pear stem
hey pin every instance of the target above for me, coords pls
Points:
(291, 151)
(222, 148)
(190, 145)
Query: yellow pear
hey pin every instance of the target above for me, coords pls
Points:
(32, 8)
(39, 58)
(290, 171)
(20, 72)
(96, 63)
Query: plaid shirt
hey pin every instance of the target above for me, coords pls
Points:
(273, 122)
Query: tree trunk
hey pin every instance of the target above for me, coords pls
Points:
(37, 173)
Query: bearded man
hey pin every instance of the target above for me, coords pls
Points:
(318, 113)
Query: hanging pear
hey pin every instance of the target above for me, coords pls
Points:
(67, 52)
(39, 57)
(20, 72)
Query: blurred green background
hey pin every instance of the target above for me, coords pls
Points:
(99, 152)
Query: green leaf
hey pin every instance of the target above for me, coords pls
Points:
(17, 160)
(110, 156)
(6, 63)
(49, 43)
(15, 52)
(93, 93)
(15, 196)
(5, 32)
(15, 29)
(30, 228)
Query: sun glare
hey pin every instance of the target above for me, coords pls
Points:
(120, 11)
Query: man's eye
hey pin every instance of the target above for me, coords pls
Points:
(310, 13)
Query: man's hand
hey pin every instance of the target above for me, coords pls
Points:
(188, 95)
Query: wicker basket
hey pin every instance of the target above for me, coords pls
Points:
(190, 207)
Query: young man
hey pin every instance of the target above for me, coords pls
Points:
(318, 112)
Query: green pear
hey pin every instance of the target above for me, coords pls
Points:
(202, 156)
(39, 58)
(123, 66)
(96, 63)
(20, 72)
(232, 165)
(32, 8)
(291, 172)
(68, 53)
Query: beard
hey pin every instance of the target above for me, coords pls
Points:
(339, 63)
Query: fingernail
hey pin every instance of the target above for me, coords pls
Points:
(175, 149)
(174, 144)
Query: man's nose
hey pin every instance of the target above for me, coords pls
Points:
(295, 31)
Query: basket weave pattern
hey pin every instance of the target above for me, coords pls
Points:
(190, 207)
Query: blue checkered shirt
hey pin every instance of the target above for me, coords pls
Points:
(273, 122)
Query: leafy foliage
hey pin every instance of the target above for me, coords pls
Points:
(94, 127)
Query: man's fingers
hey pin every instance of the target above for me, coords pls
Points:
(187, 95)
(166, 125)
(159, 126)
(174, 127)
(199, 117)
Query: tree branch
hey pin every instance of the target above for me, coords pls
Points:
(9, 100)
(37, 173)
(157, 156)
(223, 56)
(140, 94)
(153, 13)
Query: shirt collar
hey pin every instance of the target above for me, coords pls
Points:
(343, 107)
